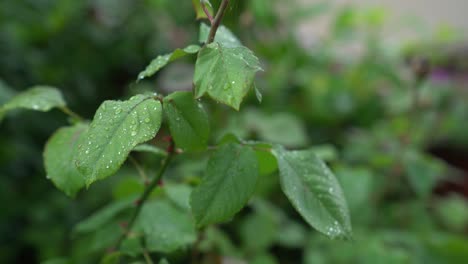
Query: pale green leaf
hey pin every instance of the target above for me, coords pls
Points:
(162, 60)
(226, 74)
(228, 183)
(117, 127)
(179, 194)
(103, 216)
(314, 192)
(224, 36)
(58, 159)
(166, 228)
(164, 261)
(200, 14)
(188, 121)
(38, 98)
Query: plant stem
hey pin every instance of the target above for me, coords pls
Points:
(149, 189)
(217, 21)
(70, 113)
(207, 12)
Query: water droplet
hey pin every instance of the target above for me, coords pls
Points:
(134, 133)
(147, 120)
(118, 111)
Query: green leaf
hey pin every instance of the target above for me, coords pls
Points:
(224, 36)
(58, 159)
(199, 10)
(423, 172)
(166, 228)
(271, 127)
(313, 191)
(111, 258)
(179, 194)
(188, 121)
(103, 216)
(229, 181)
(226, 74)
(117, 128)
(164, 261)
(162, 60)
(150, 149)
(39, 98)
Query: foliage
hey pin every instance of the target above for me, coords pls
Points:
(175, 177)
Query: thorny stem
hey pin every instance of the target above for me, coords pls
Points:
(149, 189)
(217, 21)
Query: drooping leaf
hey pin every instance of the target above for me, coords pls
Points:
(117, 127)
(162, 60)
(166, 228)
(314, 191)
(199, 10)
(227, 185)
(150, 149)
(38, 98)
(58, 159)
(226, 74)
(224, 36)
(103, 216)
(188, 121)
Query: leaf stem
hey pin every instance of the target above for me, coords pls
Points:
(70, 113)
(207, 12)
(144, 197)
(217, 21)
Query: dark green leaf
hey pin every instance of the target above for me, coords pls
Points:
(166, 228)
(227, 185)
(112, 258)
(224, 36)
(117, 128)
(313, 191)
(162, 60)
(38, 98)
(58, 159)
(226, 74)
(188, 121)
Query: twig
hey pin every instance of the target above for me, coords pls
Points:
(149, 189)
(70, 113)
(217, 21)
(207, 12)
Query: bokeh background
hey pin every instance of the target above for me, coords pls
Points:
(380, 88)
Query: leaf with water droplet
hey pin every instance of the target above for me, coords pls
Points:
(58, 159)
(38, 98)
(306, 181)
(228, 183)
(162, 60)
(188, 122)
(124, 131)
(226, 74)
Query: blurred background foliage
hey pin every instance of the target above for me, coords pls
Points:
(395, 136)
